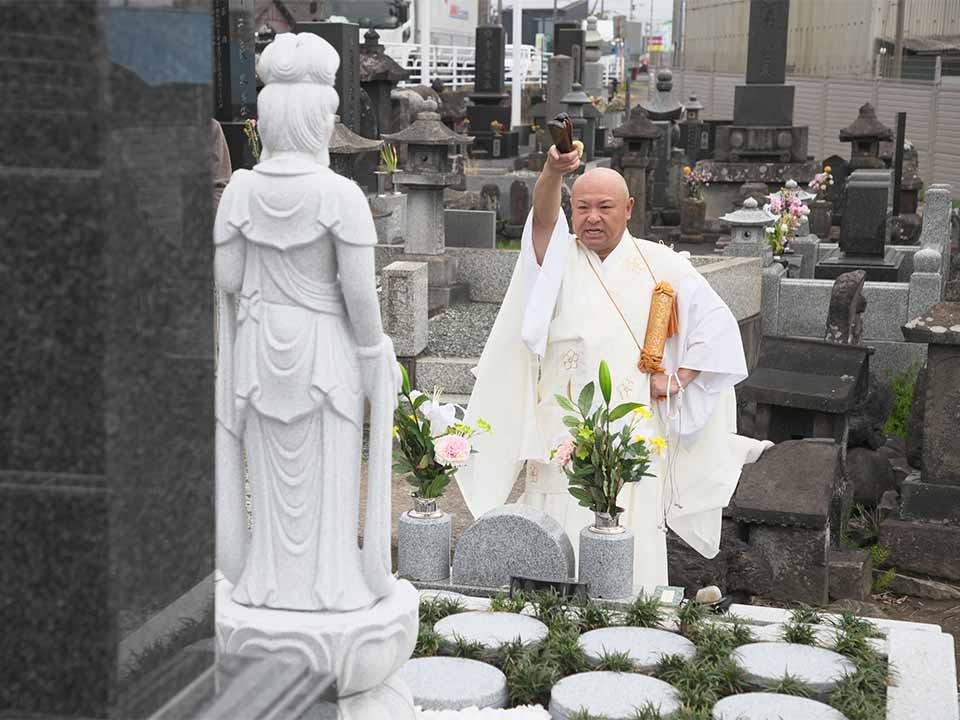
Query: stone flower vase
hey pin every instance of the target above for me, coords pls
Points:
(693, 215)
(606, 557)
(821, 212)
(423, 542)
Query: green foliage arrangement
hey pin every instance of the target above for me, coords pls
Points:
(904, 384)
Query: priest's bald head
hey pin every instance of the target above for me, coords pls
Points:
(601, 206)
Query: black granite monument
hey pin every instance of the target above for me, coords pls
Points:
(234, 75)
(488, 102)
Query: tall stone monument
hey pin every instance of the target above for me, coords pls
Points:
(762, 144)
(234, 76)
(488, 101)
(636, 161)
(106, 380)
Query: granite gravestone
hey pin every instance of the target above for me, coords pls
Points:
(559, 83)
(488, 101)
(106, 381)
(567, 40)
(345, 39)
(765, 99)
(470, 228)
(234, 75)
(863, 231)
(839, 168)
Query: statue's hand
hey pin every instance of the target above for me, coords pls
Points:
(378, 364)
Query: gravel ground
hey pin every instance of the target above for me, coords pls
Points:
(461, 330)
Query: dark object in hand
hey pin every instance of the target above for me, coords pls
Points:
(561, 130)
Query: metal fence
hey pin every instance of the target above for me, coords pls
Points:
(826, 105)
(455, 65)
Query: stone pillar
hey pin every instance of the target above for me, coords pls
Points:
(107, 427)
(405, 306)
(559, 83)
(636, 163)
(424, 235)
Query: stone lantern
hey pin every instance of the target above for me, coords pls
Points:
(379, 75)
(661, 105)
(748, 226)
(433, 164)
(636, 163)
(690, 129)
(693, 108)
(866, 133)
(592, 67)
(346, 148)
(583, 126)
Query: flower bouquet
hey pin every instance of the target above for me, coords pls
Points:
(789, 210)
(821, 183)
(694, 181)
(603, 453)
(434, 444)
(253, 138)
(497, 128)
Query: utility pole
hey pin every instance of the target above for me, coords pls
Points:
(898, 43)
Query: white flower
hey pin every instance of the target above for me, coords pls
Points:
(784, 228)
(441, 415)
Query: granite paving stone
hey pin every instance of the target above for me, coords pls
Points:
(767, 662)
(614, 696)
(446, 683)
(491, 629)
(645, 646)
(771, 706)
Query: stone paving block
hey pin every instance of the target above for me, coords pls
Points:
(771, 706)
(926, 666)
(491, 629)
(446, 683)
(614, 696)
(768, 662)
(645, 646)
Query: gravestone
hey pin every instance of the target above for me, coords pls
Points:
(519, 202)
(847, 305)
(345, 39)
(379, 75)
(835, 193)
(765, 99)
(569, 38)
(470, 228)
(488, 101)
(404, 306)
(513, 540)
(106, 433)
(490, 196)
(559, 83)
(234, 75)
(863, 231)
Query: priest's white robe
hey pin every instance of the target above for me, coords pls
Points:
(555, 326)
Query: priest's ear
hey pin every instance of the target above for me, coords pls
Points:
(629, 207)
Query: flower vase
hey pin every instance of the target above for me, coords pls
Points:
(423, 542)
(496, 149)
(381, 182)
(821, 212)
(693, 215)
(606, 557)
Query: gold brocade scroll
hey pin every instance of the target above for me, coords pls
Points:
(661, 324)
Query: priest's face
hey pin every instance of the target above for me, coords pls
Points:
(601, 208)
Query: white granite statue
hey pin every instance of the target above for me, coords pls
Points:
(300, 347)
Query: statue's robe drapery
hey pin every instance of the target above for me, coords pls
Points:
(555, 326)
(289, 387)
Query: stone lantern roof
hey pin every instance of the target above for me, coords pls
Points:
(345, 141)
(792, 187)
(866, 127)
(637, 127)
(375, 64)
(751, 214)
(693, 104)
(428, 129)
(576, 96)
(662, 105)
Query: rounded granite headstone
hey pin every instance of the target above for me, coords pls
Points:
(491, 629)
(614, 696)
(771, 706)
(768, 662)
(447, 683)
(512, 540)
(645, 646)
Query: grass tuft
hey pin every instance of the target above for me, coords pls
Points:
(434, 610)
(789, 685)
(644, 612)
(799, 633)
(647, 712)
(616, 662)
(428, 642)
(690, 617)
(591, 616)
(529, 683)
(469, 649)
(504, 603)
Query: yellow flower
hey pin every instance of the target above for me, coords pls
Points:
(639, 438)
(643, 412)
(687, 170)
(396, 431)
(659, 445)
(826, 168)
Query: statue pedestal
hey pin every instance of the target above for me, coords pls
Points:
(362, 648)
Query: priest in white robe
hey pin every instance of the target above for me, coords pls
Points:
(576, 299)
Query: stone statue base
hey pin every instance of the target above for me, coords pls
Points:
(390, 701)
(362, 648)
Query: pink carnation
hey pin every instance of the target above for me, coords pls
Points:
(451, 450)
(564, 453)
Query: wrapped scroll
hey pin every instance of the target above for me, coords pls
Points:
(661, 325)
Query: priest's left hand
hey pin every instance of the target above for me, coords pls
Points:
(661, 383)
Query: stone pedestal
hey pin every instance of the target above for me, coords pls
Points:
(821, 212)
(423, 547)
(606, 563)
(404, 304)
(424, 235)
(389, 217)
(362, 648)
(726, 178)
(593, 79)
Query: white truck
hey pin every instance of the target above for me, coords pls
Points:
(452, 22)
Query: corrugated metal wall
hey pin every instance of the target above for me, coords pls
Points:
(827, 105)
(836, 38)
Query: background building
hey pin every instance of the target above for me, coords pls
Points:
(828, 38)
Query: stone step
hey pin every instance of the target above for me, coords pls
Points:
(451, 374)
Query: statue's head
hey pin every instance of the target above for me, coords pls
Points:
(297, 106)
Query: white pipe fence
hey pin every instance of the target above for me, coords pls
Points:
(455, 65)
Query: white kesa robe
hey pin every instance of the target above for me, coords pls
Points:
(557, 323)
